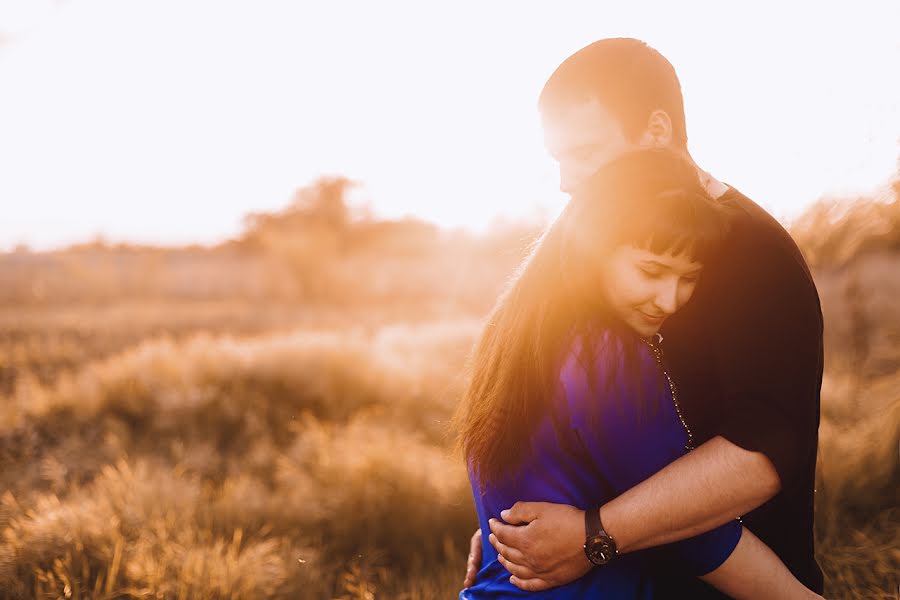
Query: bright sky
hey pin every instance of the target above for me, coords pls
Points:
(166, 121)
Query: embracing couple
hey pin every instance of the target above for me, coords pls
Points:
(642, 415)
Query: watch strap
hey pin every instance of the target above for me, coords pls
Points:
(592, 524)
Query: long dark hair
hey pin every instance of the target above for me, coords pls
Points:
(652, 199)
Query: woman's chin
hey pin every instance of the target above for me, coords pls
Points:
(637, 322)
(644, 330)
(644, 326)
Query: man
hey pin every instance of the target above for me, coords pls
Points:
(746, 355)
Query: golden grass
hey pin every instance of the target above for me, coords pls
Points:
(204, 447)
(314, 464)
(215, 467)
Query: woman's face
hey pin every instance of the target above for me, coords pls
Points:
(644, 288)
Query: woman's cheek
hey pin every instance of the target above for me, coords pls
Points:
(641, 290)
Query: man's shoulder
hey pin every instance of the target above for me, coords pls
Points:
(762, 245)
(751, 217)
(757, 285)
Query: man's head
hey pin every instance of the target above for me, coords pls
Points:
(612, 96)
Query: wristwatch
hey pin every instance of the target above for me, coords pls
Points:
(599, 547)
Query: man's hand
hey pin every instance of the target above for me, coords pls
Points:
(542, 545)
(474, 559)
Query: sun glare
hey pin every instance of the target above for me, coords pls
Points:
(166, 122)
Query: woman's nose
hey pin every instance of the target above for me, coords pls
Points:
(667, 297)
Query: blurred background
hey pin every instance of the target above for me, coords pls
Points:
(245, 249)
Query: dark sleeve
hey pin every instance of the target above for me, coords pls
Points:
(769, 361)
(627, 443)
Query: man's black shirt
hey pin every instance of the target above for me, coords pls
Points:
(746, 356)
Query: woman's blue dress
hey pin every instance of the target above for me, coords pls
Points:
(608, 445)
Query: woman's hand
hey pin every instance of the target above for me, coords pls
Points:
(474, 559)
(542, 545)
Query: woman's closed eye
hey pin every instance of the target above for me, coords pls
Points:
(654, 274)
(651, 273)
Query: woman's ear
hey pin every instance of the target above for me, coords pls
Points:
(659, 130)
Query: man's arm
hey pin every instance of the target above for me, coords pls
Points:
(752, 570)
(730, 481)
(541, 544)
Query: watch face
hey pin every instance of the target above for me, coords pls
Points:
(599, 549)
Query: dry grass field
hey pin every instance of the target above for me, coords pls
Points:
(263, 421)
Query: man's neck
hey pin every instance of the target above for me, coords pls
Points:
(713, 186)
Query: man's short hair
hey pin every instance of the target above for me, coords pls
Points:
(628, 77)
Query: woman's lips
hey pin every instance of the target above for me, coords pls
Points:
(652, 320)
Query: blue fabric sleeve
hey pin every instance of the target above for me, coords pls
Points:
(703, 553)
(627, 443)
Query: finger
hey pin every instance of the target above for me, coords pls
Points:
(470, 578)
(510, 553)
(470, 573)
(474, 559)
(521, 513)
(520, 571)
(475, 548)
(530, 585)
(470, 563)
(510, 535)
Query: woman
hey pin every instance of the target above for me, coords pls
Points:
(569, 401)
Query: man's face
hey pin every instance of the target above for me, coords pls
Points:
(582, 140)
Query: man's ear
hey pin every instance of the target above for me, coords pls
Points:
(658, 133)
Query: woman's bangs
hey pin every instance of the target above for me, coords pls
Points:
(679, 222)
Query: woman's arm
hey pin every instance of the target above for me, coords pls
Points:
(754, 571)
